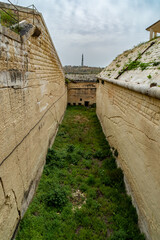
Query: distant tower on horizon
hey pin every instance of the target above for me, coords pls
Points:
(82, 62)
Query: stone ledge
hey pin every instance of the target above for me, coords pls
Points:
(9, 33)
(144, 89)
(21, 9)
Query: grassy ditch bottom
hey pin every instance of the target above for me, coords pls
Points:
(81, 194)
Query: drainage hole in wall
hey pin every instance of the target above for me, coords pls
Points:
(86, 103)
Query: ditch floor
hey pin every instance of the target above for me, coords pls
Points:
(81, 194)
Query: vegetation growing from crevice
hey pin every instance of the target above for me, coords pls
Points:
(156, 63)
(67, 80)
(133, 65)
(8, 19)
(149, 76)
(81, 194)
(143, 66)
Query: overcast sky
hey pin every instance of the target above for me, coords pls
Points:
(100, 29)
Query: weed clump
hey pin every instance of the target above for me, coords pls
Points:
(156, 63)
(109, 163)
(91, 180)
(133, 65)
(56, 197)
(149, 76)
(102, 154)
(119, 235)
(7, 18)
(143, 66)
(70, 148)
(116, 153)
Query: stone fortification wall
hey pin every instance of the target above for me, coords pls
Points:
(81, 89)
(82, 77)
(33, 99)
(82, 93)
(129, 111)
(143, 62)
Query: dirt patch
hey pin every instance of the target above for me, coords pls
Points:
(100, 193)
(78, 199)
(78, 229)
(81, 119)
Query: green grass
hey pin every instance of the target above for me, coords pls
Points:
(10, 20)
(136, 64)
(156, 63)
(143, 66)
(81, 194)
(7, 18)
(133, 65)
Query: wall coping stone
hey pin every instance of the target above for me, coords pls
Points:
(143, 89)
(9, 33)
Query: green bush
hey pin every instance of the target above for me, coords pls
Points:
(116, 153)
(70, 148)
(106, 180)
(87, 155)
(110, 163)
(91, 180)
(116, 177)
(93, 204)
(73, 158)
(83, 187)
(50, 156)
(102, 154)
(111, 193)
(87, 163)
(119, 235)
(56, 197)
(54, 160)
(92, 193)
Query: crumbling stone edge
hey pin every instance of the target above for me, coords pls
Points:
(143, 89)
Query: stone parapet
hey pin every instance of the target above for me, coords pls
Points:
(33, 101)
(131, 122)
(144, 89)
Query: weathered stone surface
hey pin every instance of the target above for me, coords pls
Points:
(131, 122)
(82, 93)
(137, 76)
(33, 99)
(82, 77)
(81, 89)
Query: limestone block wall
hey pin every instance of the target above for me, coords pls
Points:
(33, 99)
(147, 71)
(131, 123)
(82, 93)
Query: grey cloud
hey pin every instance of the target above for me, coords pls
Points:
(100, 29)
